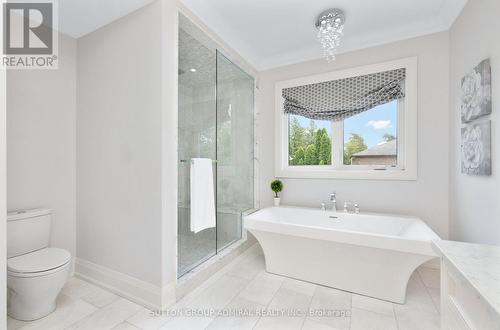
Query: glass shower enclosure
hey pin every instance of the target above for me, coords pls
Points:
(216, 121)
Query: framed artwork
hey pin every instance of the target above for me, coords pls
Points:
(476, 148)
(476, 92)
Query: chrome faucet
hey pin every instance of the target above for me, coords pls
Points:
(333, 200)
(354, 207)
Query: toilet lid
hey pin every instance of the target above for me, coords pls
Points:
(38, 261)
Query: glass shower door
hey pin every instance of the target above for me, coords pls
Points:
(197, 139)
(216, 106)
(235, 149)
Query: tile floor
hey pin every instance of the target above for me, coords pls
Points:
(243, 285)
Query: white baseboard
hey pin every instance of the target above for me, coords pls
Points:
(131, 288)
(72, 267)
(168, 295)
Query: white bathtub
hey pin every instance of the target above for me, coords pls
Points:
(369, 254)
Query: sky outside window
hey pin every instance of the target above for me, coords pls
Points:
(373, 124)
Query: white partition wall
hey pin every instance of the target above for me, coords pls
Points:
(169, 150)
(125, 112)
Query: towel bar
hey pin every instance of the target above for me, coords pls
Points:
(185, 160)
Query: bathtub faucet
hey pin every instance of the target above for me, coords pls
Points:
(333, 200)
(350, 207)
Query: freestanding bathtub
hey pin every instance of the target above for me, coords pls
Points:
(369, 254)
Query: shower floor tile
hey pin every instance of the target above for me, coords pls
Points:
(193, 250)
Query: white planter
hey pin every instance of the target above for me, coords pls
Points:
(277, 201)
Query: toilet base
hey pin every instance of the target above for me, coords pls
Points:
(31, 298)
(25, 311)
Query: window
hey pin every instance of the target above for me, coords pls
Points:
(310, 141)
(370, 138)
(378, 143)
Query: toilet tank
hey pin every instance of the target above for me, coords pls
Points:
(27, 231)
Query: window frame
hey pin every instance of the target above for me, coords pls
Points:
(406, 135)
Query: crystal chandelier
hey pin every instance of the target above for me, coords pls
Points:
(330, 25)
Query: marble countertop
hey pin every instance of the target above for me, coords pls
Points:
(478, 264)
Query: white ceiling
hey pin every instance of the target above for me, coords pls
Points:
(79, 17)
(271, 33)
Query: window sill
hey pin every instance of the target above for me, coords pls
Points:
(390, 174)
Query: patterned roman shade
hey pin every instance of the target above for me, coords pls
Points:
(340, 99)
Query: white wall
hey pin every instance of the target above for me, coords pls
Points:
(428, 196)
(119, 143)
(3, 193)
(474, 200)
(169, 71)
(41, 165)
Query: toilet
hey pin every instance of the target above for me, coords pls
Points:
(36, 273)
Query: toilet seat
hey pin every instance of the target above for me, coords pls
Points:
(38, 263)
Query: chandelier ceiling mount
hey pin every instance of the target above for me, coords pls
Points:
(330, 25)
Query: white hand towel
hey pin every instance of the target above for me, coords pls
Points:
(202, 195)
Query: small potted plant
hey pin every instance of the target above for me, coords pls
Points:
(277, 187)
